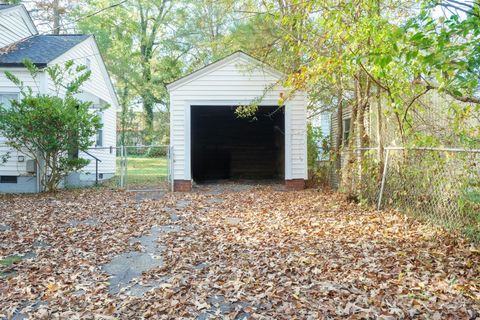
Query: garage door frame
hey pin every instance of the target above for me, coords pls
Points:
(222, 103)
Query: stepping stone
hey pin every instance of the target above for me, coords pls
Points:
(40, 244)
(149, 241)
(86, 222)
(128, 266)
(170, 228)
(33, 307)
(215, 200)
(182, 204)
(232, 221)
(216, 299)
(201, 266)
(139, 289)
(28, 255)
(149, 195)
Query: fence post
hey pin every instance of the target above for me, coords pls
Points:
(121, 166)
(385, 168)
(96, 172)
(170, 164)
(125, 156)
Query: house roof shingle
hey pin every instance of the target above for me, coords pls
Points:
(6, 6)
(40, 49)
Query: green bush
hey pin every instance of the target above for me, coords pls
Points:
(51, 128)
(156, 152)
(315, 139)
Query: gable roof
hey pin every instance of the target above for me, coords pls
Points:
(27, 19)
(219, 63)
(40, 49)
(105, 73)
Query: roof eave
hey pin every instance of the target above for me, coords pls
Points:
(21, 65)
(31, 26)
(210, 67)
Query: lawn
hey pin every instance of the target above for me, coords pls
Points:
(145, 172)
(228, 252)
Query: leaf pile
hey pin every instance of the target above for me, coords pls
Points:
(257, 253)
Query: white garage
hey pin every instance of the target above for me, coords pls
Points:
(210, 142)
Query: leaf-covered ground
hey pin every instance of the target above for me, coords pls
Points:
(242, 253)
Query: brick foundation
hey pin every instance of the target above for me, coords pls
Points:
(295, 184)
(182, 185)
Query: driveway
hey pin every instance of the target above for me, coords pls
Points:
(227, 251)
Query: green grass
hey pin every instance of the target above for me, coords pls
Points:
(143, 173)
(8, 261)
(146, 173)
(473, 196)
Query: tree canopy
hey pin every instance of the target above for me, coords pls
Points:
(343, 53)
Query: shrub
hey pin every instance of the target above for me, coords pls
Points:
(156, 152)
(51, 128)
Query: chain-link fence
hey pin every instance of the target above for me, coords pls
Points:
(145, 168)
(439, 185)
(133, 168)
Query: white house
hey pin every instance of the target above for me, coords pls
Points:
(19, 39)
(210, 142)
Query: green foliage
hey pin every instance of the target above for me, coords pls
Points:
(312, 146)
(141, 54)
(156, 152)
(247, 111)
(51, 128)
(317, 145)
(147, 44)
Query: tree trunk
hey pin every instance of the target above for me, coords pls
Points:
(339, 137)
(56, 17)
(124, 104)
(148, 104)
(349, 177)
(380, 133)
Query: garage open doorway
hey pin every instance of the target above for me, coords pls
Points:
(224, 146)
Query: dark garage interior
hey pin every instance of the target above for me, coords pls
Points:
(224, 146)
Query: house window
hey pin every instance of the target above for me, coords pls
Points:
(88, 63)
(346, 130)
(99, 136)
(8, 179)
(6, 98)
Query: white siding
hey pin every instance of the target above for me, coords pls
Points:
(97, 86)
(236, 82)
(12, 166)
(14, 26)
